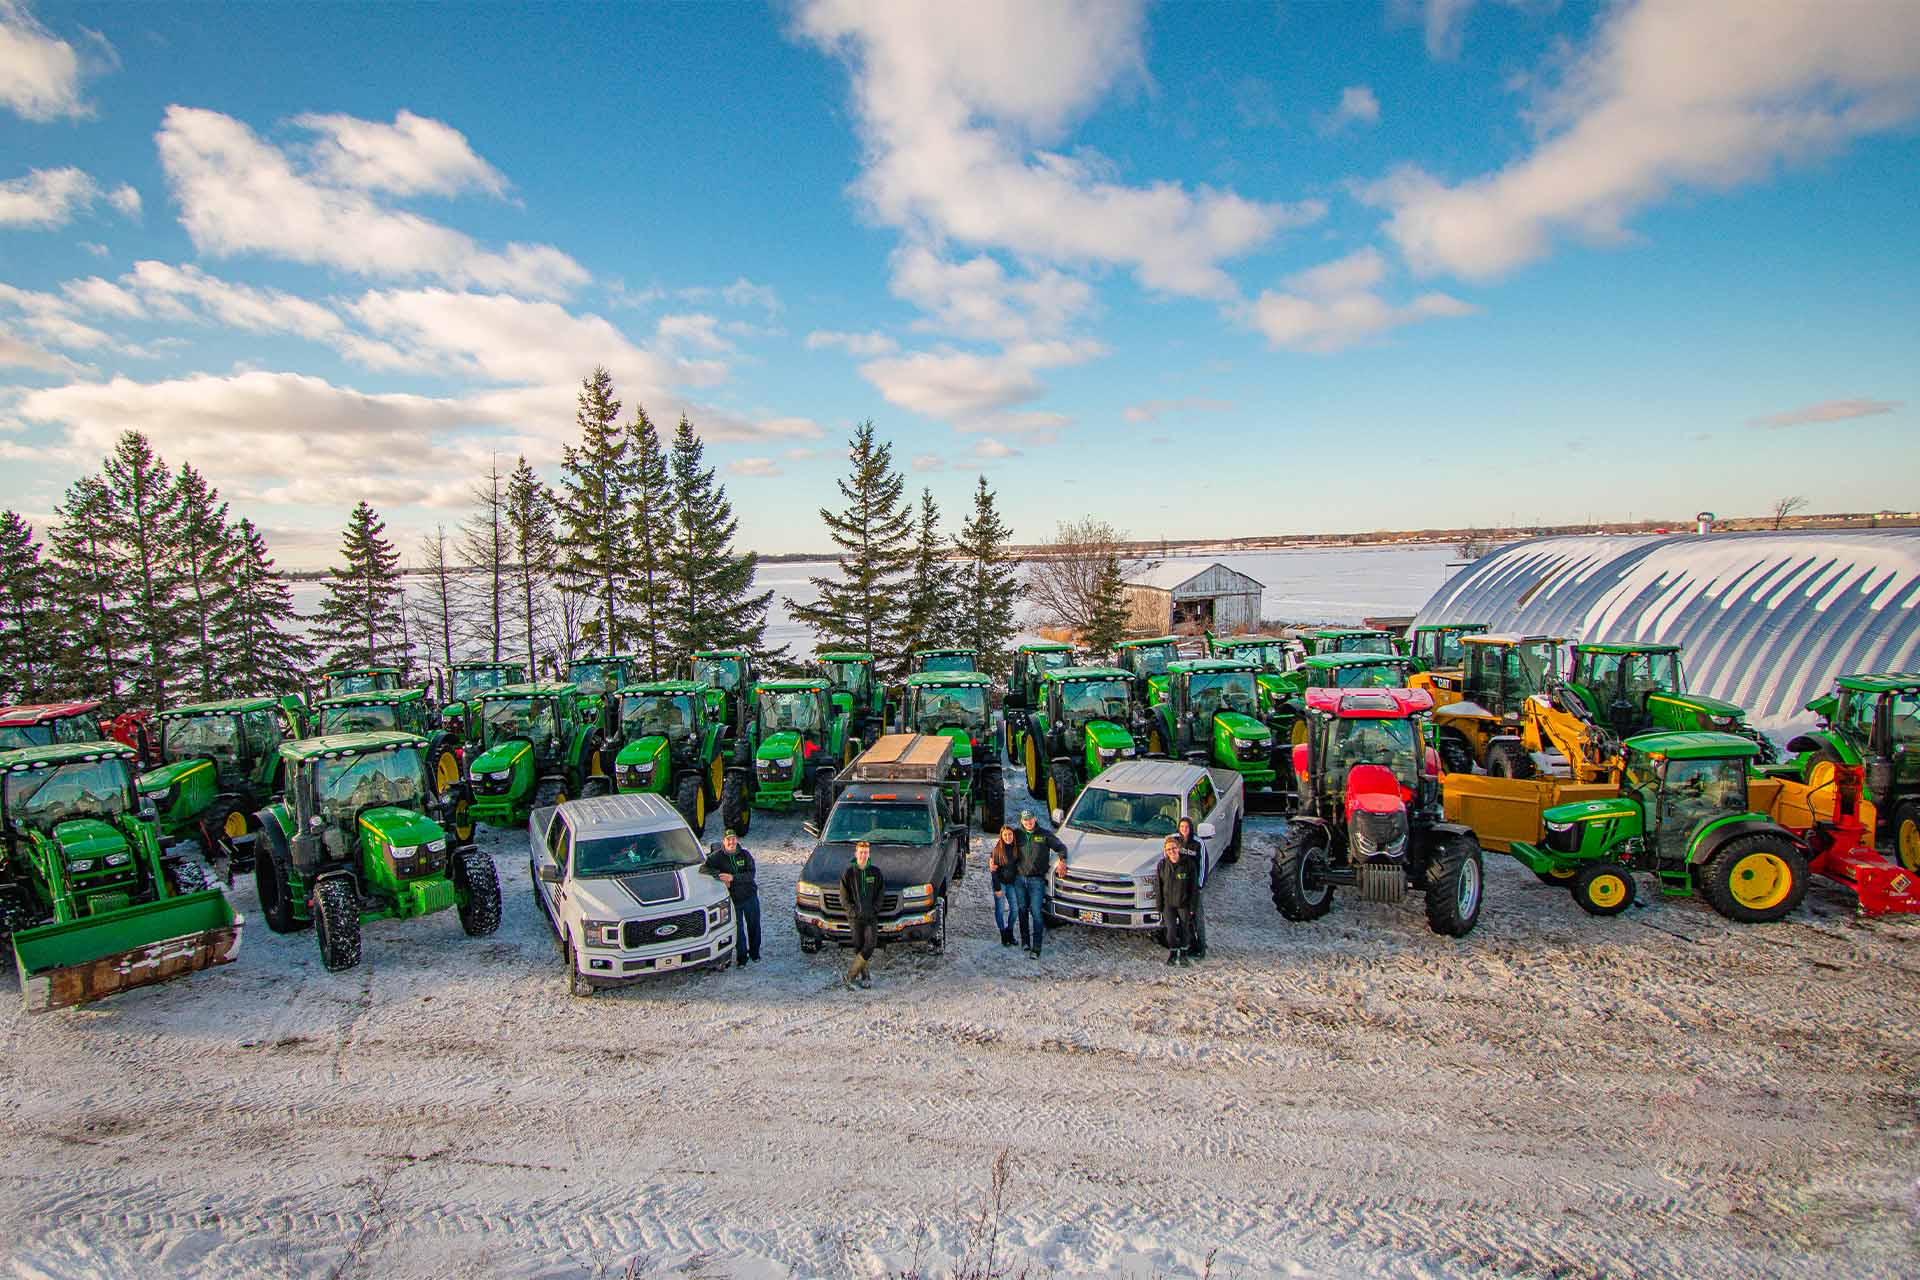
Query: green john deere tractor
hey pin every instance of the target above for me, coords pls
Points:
(858, 693)
(397, 710)
(336, 681)
(795, 742)
(1088, 718)
(362, 835)
(598, 678)
(1145, 662)
(538, 747)
(92, 904)
(1326, 640)
(1872, 720)
(1436, 645)
(959, 705)
(219, 766)
(668, 745)
(1211, 716)
(465, 683)
(729, 676)
(1683, 813)
(929, 662)
(1639, 688)
(1283, 697)
(1031, 662)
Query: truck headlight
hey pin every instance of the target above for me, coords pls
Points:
(916, 895)
(719, 915)
(601, 933)
(808, 894)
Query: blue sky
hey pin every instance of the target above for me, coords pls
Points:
(1195, 269)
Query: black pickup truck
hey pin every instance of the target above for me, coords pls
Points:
(905, 798)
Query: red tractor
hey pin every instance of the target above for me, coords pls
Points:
(1370, 814)
(49, 724)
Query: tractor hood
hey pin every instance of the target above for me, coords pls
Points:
(784, 745)
(1113, 855)
(647, 750)
(1242, 726)
(1591, 810)
(161, 780)
(962, 744)
(81, 838)
(1108, 736)
(500, 756)
(398, 828)
(898, 864)
(1715, 707)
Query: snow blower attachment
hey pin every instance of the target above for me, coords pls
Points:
(93, 907)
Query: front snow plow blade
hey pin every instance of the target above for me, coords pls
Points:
(62, 965)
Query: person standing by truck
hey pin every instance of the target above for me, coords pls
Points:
(860, 887)
(1193, 851)
(1001, 860)
(1177, 887)
(1030, 889)
(731, 864)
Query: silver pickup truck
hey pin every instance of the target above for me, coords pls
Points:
(1114, 832)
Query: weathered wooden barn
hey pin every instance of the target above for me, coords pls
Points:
(1186, 597)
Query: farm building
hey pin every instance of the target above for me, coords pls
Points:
(1186, 597)
(1765, 620)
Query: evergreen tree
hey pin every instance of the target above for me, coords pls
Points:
(862, 609)
(706, 604)
(87, 586)
(987, 585)
(145, 526)
(930, 621)
(594, 544)
(205, 550)
(530, 527)
(28, 641)
(484, 546)
(651, 520)
(260, 646)
(361, 616)
(439, 610)
(1107, 621)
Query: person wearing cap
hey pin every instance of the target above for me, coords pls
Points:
(1177, 890)
(1030, 866)
(860, 888)
(731, 864)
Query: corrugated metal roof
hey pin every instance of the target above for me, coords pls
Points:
(1767, 620)
(1171, 575)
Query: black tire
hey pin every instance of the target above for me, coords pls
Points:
(1231, 854)
(993, 801)
(577, 984)
(1298, 894)
(823, 795)
(214, 841)
(1456, 753)
(1062, 787)
(1737, 887)
(473, 871)
(938, 944)
(691, 804)
(1603, 889)
(1509, 760)
(548, 792)
(596, 785)
(185, 875)
(1456, 885)
(736, 807)
(270, 880)
(337, 923)
(1557, 879)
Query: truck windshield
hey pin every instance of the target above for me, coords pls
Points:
(192, 737)
(1211, 692)
(346, 787)
(643, 851)
(529, 718)
(1083, 700)
(593, 677)
(721, 673)
(469, 681)
(962, 708)
(879, 823)
(39, 798)
(1392, 743)
(1384, 675)
(798, 710)
(1119, 813)
(656, 715)
(357, 719)
(944, 662)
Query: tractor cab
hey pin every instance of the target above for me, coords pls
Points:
(959, 705)
(219, 765)
(465, 683)
(49, 724)
(796, 730)
(1274, 656)
(77, 798)
(728, 675)
(353, 788)
(945, 661)
(536, 746)
(1683, 782)
(669, 745)
(1437, 648)
(1145, 662)
(1633, 689)
(597, 679)
(855, 691)
(402, 710)
(1503, 671)
(344, 680)
(1356, 671)
(1211, 715)
(1873, 720)
(1089, 717)
(1378, 729)
(1031, 662)
(1328, 640)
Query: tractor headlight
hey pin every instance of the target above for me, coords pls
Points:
(436, 846)
(1559, 826)
(1107, 755)
(499, 775)
(601, 933)
(117, 859)
(405, 850)
(83, 865)
(1720, 722)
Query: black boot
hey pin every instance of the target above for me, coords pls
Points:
(1006, 937)
(1173, 957)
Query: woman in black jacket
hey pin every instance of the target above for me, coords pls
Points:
(1001, 861)
(1177, 885)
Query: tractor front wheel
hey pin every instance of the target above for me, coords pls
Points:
(1456, 886)
(337, 917)
(478, 884)
(736, 809)
(993, 801)
(550, 792)
(692, 804)
(1603, 889)
(823, 796)
(461, 816)
(1558, 879)
(1061, 786)
(1906, 835)
(270, 881)
(1299, 892)
(1756, 879)
(1509, 760)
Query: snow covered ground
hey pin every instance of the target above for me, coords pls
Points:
(1664, 1094)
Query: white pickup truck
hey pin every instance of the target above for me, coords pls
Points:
(619, 880)
(1114, 832)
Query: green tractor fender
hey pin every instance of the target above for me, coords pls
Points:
(712, 739)
(1708, 840)
(1822, 743)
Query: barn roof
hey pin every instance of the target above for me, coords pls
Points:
(1171, 575)
(1767, 621)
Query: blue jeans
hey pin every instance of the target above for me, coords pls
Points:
(1002, 907)
(747, 940)
(1028, 892)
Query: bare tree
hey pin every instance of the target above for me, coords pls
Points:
(439, 606)
(1068, 578)
(564, 625)
(485, 547)
(1786, 507)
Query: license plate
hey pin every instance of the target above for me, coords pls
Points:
(1089, 917)
(667, 962)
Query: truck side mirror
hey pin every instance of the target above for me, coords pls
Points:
(1206, 831)
(550, 873)
(1059, 816)
(810, 829)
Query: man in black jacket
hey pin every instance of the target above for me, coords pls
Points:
(1194, 851)
(1178, 891)
(732, 865)
(860, 889)
(1030, 888)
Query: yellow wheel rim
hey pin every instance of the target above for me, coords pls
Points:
(1819, 775)
(462, 824)
(1033, 767)
(1908, 842)
(716, 775)
(1608, 890)
(595, 769)
(1053, 797)
(236, 825)
(700, 809)
(1558, 874)
(448, 773)
(1760, 881)
(1154, 743)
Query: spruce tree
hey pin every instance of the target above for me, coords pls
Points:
(28, 640)
(862, 609)
(87, 584)
(987, 585)
(485, 541)
(261, 648)
(592, 498)
(530, 527)
(931, 600)
(205, 551)
(651, 519)
(439, 606)
(145, 525)
(706, 605)
(1107, 620)
(361, 616)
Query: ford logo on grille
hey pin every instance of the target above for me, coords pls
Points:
(665, 931)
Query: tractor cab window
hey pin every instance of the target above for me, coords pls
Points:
(645, 851)
(216, 738)
(261, 729)
(360, 682)
(657, 715)
(1211, 692)
(1525, 670)
(1905, 715)
(855, 678)
(1853, 718)
(879, 823)
(530, 718)
(1642, 781)
(1632, 676)
(1122, 813)
(1393, 743)
(721, 673)
(1051, 659)
(468, 681)
(1084, 700)
(1365, 642)
(594, 677)
(943, 663)
(1384, 675)
(964, 707)
(798, 710)
(37, 799)
(1440, 648)
(1150, 659)
(1694, 792)
(16, 736)
(81, 728)
(360, 719)
(345, 788)
(1268, 657)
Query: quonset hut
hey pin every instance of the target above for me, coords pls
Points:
(1765, 620)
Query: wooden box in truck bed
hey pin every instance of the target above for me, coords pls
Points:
(904, 757)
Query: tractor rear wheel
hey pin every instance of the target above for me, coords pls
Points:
(1061, 787)
(270, 881)
(1456, 885)
(596, 785)
(993, 801)
(823, 796)
(337, 918)
(1755, 879)
(461, 817)
(1509, 760)
(1299, 892)
(477, 880)
(445, 771)
(1231, 854)
(1156, 745)
(552, 791)
(736, 809)
(1906, 835)
(691, 801)
(1603, 889)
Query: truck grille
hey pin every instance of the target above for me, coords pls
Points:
(830, 901)
(663, 929)
(1095, 889)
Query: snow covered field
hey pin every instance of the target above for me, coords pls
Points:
(1663, 1094)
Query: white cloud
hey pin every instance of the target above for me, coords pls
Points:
(755, 467)
(621, 297)
(45, 198)
(928, 462)
(1357, 106)
(952, 100)
(1335, 305)
(126, 200)
(52, 317)
(1828, 411)
(1443, 21)
(800, 454)
(239, 195)
(991, 450)
(239, 306)
(39, 72)
(1154, 410)
(977, 299)
(854, 344)
(745, 293)
(963, 385)
(411, 156)
(17, 353)
(103, 297)
(1668, 94)
(695, 330)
